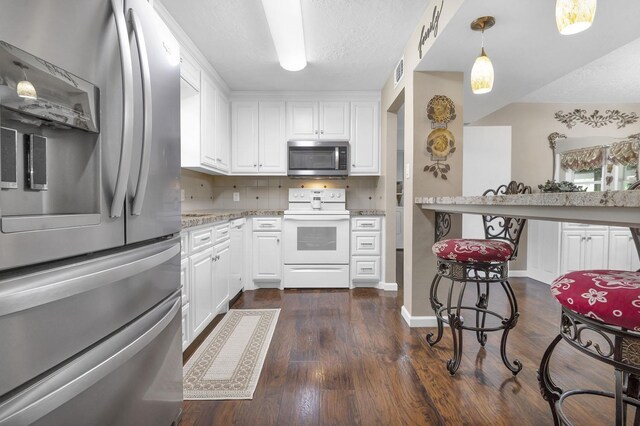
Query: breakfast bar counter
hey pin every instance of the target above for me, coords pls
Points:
(616, 208)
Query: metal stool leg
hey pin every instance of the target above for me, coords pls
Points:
(482, 303)
(455, 322)
(509, 323)
(435, 305)
(550, 392)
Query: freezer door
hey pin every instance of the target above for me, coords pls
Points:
(72, 216)
(132, 378)
(48, 316)
(153, 197)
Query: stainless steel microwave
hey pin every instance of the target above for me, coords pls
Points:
(318, 158)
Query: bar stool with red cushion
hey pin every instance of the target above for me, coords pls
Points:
(602, 304)
(601, 318)
(485, 263)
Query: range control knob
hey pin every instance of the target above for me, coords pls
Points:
(339, 195)
(333, 195)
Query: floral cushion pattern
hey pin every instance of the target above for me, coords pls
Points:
(465, 250)
(612, 297)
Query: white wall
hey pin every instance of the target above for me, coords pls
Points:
(486, 163)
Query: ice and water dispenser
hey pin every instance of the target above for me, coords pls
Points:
(49, 145)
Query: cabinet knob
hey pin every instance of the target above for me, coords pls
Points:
(260, 165)
(353, 165)
(322, 132)
(255, 165)
(316, 132)
(278, 240)
(218, 159)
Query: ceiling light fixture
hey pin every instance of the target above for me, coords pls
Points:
(24, 88)
(574, 16)
(482, 71)
(285, 23)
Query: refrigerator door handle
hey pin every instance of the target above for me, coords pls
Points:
(28, 292)
(85, 371)
(124, 165)
(147, 106)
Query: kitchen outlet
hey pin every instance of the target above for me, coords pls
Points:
(182, 195)
(236, 196)
(407, 171)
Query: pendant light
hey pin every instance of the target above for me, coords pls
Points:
(574, 16)
(24, 88)
(482, 71)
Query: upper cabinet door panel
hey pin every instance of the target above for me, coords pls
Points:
(245, 136)
(223, 136)
(272, 138)
(207, 118)
(302, 120)
(365, 138)
(334, 120)
(189, 70)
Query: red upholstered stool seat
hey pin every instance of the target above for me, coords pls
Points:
(466, 250)
(612, 297)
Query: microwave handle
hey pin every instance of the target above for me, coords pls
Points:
(337, 158)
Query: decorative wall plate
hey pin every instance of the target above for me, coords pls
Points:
(441, 109)
(440, 143)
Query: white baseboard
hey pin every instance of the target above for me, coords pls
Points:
(519, 274)
(415, 321)
(388, 286)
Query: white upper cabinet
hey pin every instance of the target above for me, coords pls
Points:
(365, 138)
(189, 70)
(204, 126)
(272, 141)
(258, 137)
(244, 136)
(312, 120)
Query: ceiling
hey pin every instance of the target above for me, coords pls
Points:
(350, 45)
(533, 62)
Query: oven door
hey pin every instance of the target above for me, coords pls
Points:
(316, 239)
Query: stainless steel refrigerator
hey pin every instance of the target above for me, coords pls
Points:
(90, 324)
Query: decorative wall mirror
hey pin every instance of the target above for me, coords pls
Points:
(598, 163)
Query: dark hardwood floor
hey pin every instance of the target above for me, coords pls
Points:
(347, 357)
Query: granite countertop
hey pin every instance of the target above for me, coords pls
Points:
(565, 199)
(204, 217)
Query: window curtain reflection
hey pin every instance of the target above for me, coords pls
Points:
(625, 153)
(582, 159)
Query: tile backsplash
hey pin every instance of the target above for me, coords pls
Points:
(207, 192)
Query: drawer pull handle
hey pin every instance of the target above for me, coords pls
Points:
(367, 269)
(205, 238)
(366, 244)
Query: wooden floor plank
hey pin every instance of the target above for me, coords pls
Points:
(346, 357)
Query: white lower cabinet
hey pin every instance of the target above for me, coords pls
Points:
(366, 249)
(622, 250)
(584, 249)
(204, 275)
(186, 330)
(202, 308)
(221, 277)
(267, 256)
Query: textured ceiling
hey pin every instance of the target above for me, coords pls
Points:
(528, 53)
(612, 78)
(350, 44)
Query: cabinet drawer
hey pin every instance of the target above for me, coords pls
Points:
(365, 268)
(365, 243)
(200, 239)
(184, 244)
(221, 233)
(365, 224)
(184, 280)
(267, 224)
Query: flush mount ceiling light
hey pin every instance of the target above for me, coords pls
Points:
(482, 71)
(285, 23)
(24, 88)
(574, 16)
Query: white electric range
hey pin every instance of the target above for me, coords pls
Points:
(316, 239)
